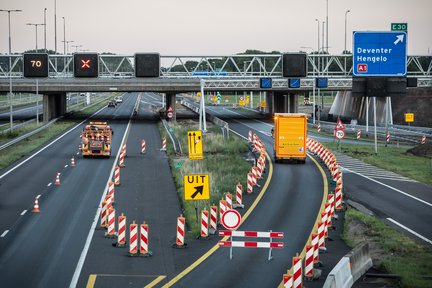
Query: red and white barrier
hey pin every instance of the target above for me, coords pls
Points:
(257, 234)
(108, 200)
(104, 215)
(250, 183)
(222, 208)
(251, 244)
(111, 223)
(324, 220)
(297, 272)
(180, 241)
(321, 236)
(388, 137)
(314, 242)
(163, 144)
(133, 239)
(309, 263)
(204, 223)
(228, 199)
(250, 136)
(329, 216)
(121, 159)
(239, 196)
(331, 201)
(121, 238)
(144, 239)
(36, 206)
(72, 162)
(213, 218)
(111, 190)
(117, 175)
(423, 140)
(338, 194)
(358, 134)
(143, 146)
(57, 181)
(287, 280)
(124, 149)
(319, 127)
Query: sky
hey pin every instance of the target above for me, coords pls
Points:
(210, 28)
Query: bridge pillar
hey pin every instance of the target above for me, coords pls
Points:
(270, 102)
(293, 103)
(280, 102)
(54, 105)
(170, 102)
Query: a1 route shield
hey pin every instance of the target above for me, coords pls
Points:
(380, 53)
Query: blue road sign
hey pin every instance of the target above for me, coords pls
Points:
(265, 83)
(294, 83)
(380, 53)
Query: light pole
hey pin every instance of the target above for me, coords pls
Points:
(36, 26)
(10, 67)
(346, 13)
(67, 46)
(327, 23)
(45, 10)
(318, 42)
(76, 47)
(64, 35)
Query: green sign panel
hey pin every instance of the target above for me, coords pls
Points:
(399, 27)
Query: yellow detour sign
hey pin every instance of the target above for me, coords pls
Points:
(196, 187)
(247, 99)
(409, 117)
(241, 103)
(195, 145)
(263, 104)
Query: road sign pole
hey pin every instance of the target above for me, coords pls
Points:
(231, 248)
(367, 114)
(313, 106)
(375, 128)
(37, 102)
(386, 118)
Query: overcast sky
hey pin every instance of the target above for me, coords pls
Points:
(204, 27)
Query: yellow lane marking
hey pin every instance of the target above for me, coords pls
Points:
(325, 181)
(215, 247)
(155, 281)
(91, 281)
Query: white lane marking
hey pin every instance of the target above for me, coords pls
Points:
(77, 153)
(48, 145)
(409, 230)
(66, 166)
(390, 187)
(84, 252)
(4, 233)
(265, 133)
(38, 196)
(49, 184)
(24, 212)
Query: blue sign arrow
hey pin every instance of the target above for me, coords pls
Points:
(380, 53)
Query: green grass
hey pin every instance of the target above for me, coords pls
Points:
(223, 162)
(390, 158)
(397, 253)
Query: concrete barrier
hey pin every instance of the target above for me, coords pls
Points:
(340, 276)
(360, 260)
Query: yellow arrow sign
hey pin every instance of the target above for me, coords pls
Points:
(195, 145)
(196, 187)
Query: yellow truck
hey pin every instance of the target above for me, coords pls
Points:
(96, 139)
(290, 133)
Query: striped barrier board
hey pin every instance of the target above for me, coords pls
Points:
(251, 234)
(250, 244)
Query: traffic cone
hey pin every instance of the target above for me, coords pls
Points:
(73, 162)
(36, 206)
(57, 182)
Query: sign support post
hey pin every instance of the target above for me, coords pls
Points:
(375, 127)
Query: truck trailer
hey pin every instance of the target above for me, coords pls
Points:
(290, 133)
(96, 139)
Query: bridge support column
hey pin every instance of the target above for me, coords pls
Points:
(170, 102)
(280, 101)
(54, 105)
(270, 102)
(293, 103)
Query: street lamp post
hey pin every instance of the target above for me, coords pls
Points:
(345, 46)
(55, 26)
(10, 67)
(64, 35)
(318, 38)
(45, 10)
(67, 46)
(327, 25)
(76, 47)
(36, 26)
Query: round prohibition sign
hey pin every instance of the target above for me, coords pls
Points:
(340, 134)
(170, 115)
(231, 219)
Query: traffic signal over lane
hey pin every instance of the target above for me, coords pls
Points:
(35, 65)
(86, 65)
(147, 64)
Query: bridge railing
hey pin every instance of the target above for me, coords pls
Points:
(227, 66)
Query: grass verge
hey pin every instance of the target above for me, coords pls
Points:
(223, 161)
(21, 149)
(391, 251)
(390, 158)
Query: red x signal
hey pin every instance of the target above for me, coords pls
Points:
(85, 63)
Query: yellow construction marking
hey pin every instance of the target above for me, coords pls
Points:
(91, 281)
(215, 247)
(325, 181)
(155, 281)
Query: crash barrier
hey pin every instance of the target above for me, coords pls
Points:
(252, 244)
(174, 140)
(340, 276)
(360, 261)
(204, 223)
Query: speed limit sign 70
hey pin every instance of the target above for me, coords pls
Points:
(340, 134)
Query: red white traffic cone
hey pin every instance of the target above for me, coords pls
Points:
(180, 237)
(204, 224)
(36, 206)
(72, 162)
(57, 181)
(297, 272)
(121, 238)
(144, 235)
(143, 146)
(163, 144)
(133, 239)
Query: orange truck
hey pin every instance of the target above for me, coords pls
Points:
(96, 139)
(290, 133)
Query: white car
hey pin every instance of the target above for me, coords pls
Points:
(118, 99)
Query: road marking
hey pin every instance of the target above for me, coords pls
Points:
(155, 281)
(409, 230)
(48, 145)
(91, 281)
(24, 212)
(49, 184)
(77, 153)
(215, 247)
(38, 196)
(66, 166)
(4, 233)
(84, 252)
(390, 187)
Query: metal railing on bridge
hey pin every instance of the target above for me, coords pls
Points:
(234, 71)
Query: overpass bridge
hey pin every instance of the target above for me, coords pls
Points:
(180, 74)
